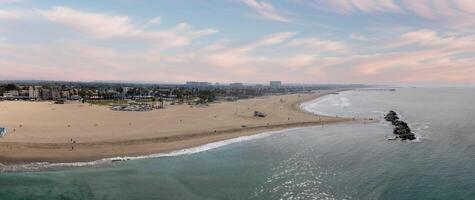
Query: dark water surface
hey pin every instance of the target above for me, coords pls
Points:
(347, 161)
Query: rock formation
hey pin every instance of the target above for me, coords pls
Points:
(401, 129)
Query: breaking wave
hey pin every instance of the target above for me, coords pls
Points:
(330, 105)
(46, 166)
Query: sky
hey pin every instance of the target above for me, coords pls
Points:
(251, 41)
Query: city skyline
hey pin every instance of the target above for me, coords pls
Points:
(250, 41)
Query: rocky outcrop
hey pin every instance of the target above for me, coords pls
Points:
(401, 129)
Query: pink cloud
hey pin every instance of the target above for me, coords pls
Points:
(103, 26)
(265, 10)
(346, 6)
(318, 44)
(433, 55)
(451, 13)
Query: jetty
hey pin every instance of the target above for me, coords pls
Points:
(401, 129)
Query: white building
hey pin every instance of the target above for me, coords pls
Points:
(11, 93)
(33, 92)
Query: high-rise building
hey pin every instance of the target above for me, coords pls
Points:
(33, 92)
(275, 84)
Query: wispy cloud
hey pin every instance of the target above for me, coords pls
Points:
(318, 44)
(105, 26)
(265, 10)
(454, 13)
(272, 39)
(12, 14)
(153, 22)
(430, 38)
(344, 6)
(421, 55)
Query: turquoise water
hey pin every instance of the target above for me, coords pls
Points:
(347, 161)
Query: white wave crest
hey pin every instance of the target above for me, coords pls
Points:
(44, 166)
(330, 105)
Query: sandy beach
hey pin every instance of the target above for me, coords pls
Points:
(47, 132)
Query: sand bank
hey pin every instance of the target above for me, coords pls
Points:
(47, 132)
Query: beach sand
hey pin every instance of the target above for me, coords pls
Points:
(47, 132)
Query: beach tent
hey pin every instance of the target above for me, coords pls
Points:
(3, 131)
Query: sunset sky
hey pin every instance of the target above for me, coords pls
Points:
(296, 41)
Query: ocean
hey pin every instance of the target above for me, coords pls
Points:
(344, 161)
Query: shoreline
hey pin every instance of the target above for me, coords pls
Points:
(33, 152)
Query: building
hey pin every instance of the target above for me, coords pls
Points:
(125, 90)
(236, 85)
(197, 84)
(24, 93)
(11, 94)
(46, 94)
(55, 94)
(75, 97)
(65, 94)
(33, 92)
(275, 84)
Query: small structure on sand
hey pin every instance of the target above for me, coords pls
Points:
(3, 131)
(60, 101)
(259, 114)
(133, 107)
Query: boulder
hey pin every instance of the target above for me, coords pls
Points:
(409, 136)
(391, 116)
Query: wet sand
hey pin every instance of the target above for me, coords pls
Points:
(47, 132)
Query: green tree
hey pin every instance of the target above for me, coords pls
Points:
(119, 90)
(9, 87)
(179, 95)
(206, 96)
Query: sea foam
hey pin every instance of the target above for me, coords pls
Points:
(338, 102)
(45, 166)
